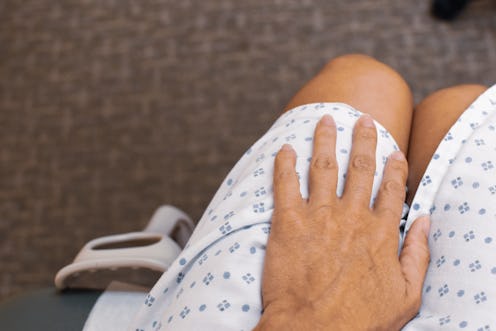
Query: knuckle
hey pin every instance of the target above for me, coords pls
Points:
(363, 163)
(324, 161)
(393, 187)
(400, 166)
(400, 163)
(360, 190)
(284, 174)
(421, 249)
(366, 133)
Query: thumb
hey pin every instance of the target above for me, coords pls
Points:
(414, 257)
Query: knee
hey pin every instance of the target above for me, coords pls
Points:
(362, 65)
(354, 63)
(454, 97)
(366, 69)
(352, 60)
(465, 91)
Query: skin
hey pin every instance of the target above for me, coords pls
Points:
(431, 121)
(332, 263)
(366, 84)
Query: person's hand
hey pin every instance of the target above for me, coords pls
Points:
(332, 263)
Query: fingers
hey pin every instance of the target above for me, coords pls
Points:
(324, 168)
(389, 201)
(414, 258)
(286, 185)
(361, 168)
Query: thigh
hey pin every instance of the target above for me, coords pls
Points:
(432, 119)
(367, 85)
(457, 189)
(216, 280)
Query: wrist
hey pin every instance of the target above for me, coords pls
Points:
(271, 322)
(306, 319)
(300, 318)
(276, 319)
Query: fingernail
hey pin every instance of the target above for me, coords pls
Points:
(367, 121)
(398, 155)
(286, 147)
(327, 120)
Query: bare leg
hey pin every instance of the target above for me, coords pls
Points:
(432, 119)
(369, 86)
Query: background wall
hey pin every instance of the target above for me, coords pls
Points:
(109, 108)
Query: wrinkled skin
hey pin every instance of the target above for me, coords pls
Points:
(332, 262)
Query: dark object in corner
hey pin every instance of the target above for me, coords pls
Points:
(448, 9)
